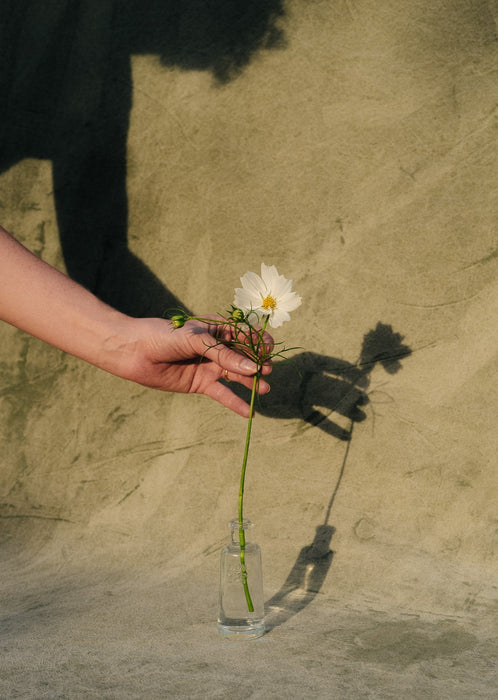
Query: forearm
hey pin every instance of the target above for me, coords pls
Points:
(47, 304)
(38, 299)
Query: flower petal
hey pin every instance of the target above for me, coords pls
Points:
(256, 289)
(244, 300)
(253, 283)
(278, 317)
(269, 275)
(290, 301)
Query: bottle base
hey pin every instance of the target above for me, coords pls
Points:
(242, 632)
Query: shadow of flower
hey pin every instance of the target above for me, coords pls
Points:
(320, 389)
(339, 388)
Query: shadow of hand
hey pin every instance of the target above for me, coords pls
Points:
(312, 387)
(316, 387)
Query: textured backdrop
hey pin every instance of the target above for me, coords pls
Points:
(157, 154)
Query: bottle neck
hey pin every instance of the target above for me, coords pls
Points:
(236, 529)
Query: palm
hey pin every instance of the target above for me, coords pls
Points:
(193, 359)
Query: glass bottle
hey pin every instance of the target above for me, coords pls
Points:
(241, 604)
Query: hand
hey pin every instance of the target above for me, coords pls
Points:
(149, 351)
(191, 359)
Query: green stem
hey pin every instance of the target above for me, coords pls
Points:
(242, 538)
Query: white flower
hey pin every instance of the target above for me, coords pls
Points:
(269, 295)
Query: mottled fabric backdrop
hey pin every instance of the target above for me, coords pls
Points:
(156, 151)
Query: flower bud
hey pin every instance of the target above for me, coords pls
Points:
(178, 320)
(237, 314)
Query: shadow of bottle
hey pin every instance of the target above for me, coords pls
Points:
(304, 581)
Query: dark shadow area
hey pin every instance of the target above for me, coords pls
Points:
(326, 392)
(66, 86)
(323, 390)
(339, 388)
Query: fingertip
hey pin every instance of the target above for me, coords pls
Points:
(248, 366)
(242, 409)
(264, 388)
(227, 398)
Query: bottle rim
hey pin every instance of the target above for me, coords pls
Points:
(246, 524)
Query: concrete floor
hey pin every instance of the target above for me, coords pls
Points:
(352, 144)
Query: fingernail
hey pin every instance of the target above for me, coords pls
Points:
(248, 365)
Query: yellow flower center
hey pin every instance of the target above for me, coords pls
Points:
(269, 303)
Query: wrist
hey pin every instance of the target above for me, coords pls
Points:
(130, 346)
(118, 346)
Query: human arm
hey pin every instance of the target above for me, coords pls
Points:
(47, 304)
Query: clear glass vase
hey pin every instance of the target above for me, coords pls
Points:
(241, 607)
